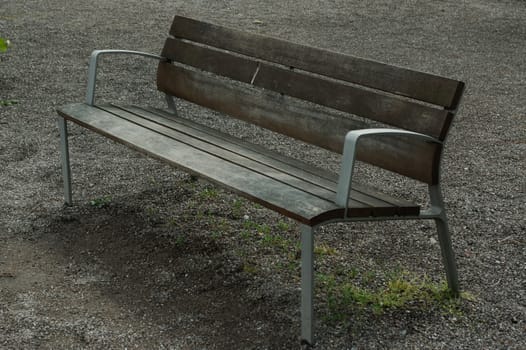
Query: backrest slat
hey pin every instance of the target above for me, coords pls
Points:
(330, 93)
(267, 109)
(418, 85)
(262, 80)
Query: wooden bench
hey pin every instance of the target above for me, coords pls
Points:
(266, 82)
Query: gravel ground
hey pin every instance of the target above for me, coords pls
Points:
(149, 257)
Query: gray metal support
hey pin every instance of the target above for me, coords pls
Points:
(448, 256)
(349, 154)
(64, 153)
(170, 101)
(307, 284)
(94, 61)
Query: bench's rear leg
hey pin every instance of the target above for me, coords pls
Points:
(170, 101)
(444, 238)
(64, 152)
(307, 285)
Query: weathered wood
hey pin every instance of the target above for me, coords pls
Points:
(418, 85)
(283, 163)
(260, 107)
(330, 93)
(223, 148)
(278, 191)
(269, 160)
(281, 114)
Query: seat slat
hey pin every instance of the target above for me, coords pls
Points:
(223, 149)
(280, 191)
(277, 196)
(279, 113)
(330, 93)
(283, 166)
(285, 163)
(418, 85)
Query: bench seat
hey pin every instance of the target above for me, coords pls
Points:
(286, 185)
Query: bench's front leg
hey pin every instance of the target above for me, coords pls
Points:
(64, 152)
(307, 285)
(444, 238)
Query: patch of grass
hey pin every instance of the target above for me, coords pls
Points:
(4, 44)
(215, 235)
(276, 241)
(401, 291)
(208, 193)
(245, 234)
(6, 103)
(151, 211)
(180, 240)
(324, 250)
(250, 268)
(250, 225)
(100, 202)
(263, 230)
(283, 226)
(237, 208)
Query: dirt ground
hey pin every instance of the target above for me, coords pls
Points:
(150, 258)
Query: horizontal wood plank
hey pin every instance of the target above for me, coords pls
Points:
(285, 193)
(288, 201)
(264, 161)
(401, 81)
(405, 156)
(330, 93)
(267, 109)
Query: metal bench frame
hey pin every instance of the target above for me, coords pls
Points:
(436, 211)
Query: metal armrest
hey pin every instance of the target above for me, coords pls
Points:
(349, 155)
(92, 70)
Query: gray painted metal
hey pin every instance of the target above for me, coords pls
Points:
(444, 239)
(307, 284)
(349, 157)
(93, 64)
(170, 101)
(64, 157)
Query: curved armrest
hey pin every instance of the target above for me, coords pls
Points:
(92, 70)
(349, 155)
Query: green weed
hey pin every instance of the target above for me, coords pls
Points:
(208, 193)
(401, 291)
(6, 103)
(100, 202)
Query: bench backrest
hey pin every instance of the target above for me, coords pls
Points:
(266, 79)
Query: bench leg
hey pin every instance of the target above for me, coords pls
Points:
(170, 101)
(307, 285)
(64, 152)
(444, 238)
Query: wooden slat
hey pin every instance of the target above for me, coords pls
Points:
(277, 190)
(265, 108)
(280, 162)
(418, 85)
(361, 203)
(267, 187)
(263, 161)
(260, 153)
(284, 199)
(330, 93)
